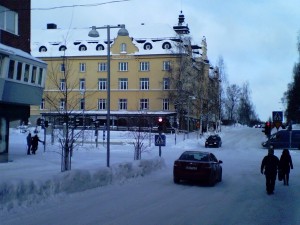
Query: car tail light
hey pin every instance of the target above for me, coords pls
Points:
(176, 163)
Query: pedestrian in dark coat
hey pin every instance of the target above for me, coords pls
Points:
(34, 142)
(28, 139)
(285, 164)
(269, 167)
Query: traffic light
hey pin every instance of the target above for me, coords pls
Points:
(160, 124)
(268, 128)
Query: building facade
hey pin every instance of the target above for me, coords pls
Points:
(140, 82)
(19, 71)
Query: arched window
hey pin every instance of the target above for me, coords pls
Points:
(82, 48)
(123, 47)
(166, 45)
(100, 47)
(42, 49)
(62, 48)
(147, 46)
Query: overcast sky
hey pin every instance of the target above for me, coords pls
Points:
(256, 38)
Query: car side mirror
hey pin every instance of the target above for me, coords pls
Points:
(220, 161)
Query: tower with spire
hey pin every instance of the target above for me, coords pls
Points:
(181, 28)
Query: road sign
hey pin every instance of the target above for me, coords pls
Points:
(160, 140)
(277, 116)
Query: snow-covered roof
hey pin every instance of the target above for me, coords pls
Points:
(7, 50)
(52, 40)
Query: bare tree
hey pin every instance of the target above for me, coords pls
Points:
(141, 133)
(233, 96)
(63, 96)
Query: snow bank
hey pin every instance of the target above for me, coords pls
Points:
(27, 192)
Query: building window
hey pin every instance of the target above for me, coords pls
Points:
(166, 105)
(166, 65)
(122, 104)
(100, 47)
(82, 104)
(42, 49)
(19, 71)
(82, 67)
(42, 106)
(144, 103)
(123, 83)
(33, 75)
(62, 84)
(8, 20)
(11, 69)
(123, 66)
(144, 66)
(26, 72)
(82, 48)
(144, 83)
(102, 67)
(166, 45)
(102, 83)
(166, 83)
(62, 104)
(62, 67)
(40, 76)
(82, 84)
(123, 48)
(101, 104)
(1, 62)
(62, 48)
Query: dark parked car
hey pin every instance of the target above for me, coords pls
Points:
(197, 166)
(213, 141)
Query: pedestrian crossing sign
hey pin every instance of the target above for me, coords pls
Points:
(160, 140)
(277, 116)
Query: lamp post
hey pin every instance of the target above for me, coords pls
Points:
(83, 117)
(94, 33)
(188, 125)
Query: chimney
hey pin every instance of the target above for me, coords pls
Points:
(51, 26)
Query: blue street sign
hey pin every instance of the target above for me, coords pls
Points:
(160, 140)
(277, 116)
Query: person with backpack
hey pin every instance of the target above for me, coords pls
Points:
(269, 167)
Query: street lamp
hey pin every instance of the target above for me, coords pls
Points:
(94, 33)
(188, 125)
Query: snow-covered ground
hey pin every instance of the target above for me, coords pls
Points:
(34, 191)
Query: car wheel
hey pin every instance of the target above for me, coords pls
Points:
(212, 180)
(220, 176)
(176, 180)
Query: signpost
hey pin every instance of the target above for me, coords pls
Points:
(160, 140)
(277, 118)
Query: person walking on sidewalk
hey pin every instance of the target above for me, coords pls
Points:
(285, 164)
(28, 139)
(269, 167)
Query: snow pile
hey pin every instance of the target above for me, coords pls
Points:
(27, 192)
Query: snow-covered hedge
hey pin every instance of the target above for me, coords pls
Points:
(27, 192)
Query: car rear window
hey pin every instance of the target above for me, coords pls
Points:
(197, 156)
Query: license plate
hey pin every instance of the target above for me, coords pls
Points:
(191, 168)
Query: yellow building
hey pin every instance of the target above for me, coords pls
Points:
(140, 76)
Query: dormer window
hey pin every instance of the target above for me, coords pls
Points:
(82, 48)
(42, 49)
(147, 46)
(100, 47)
(166, 45)
(62, 48)
(123, 47)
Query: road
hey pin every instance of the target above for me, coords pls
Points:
(240, 199)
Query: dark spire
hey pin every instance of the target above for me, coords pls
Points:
(181, 28)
